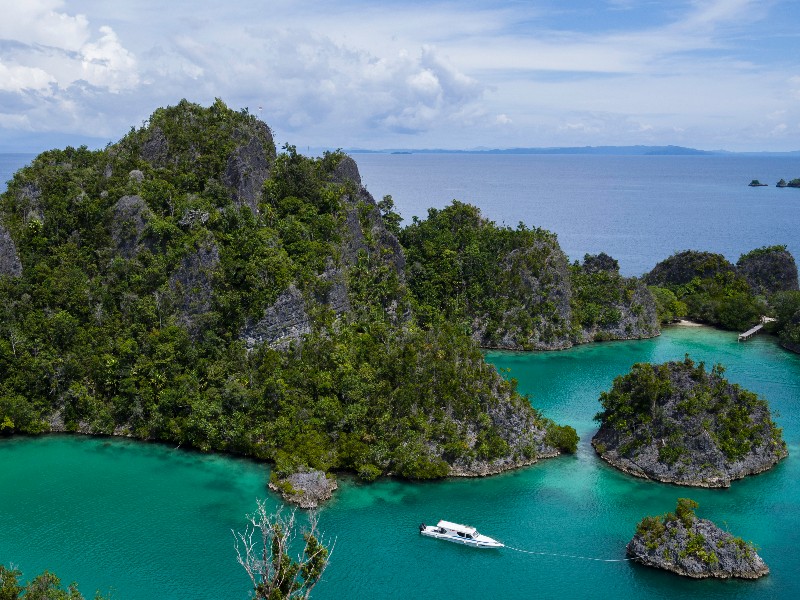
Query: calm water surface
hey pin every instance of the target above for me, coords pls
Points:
(154, 522)
(639, 209)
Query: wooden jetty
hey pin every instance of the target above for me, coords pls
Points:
(743, 337)
(750, 332)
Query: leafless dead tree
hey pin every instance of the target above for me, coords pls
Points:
(263, 551)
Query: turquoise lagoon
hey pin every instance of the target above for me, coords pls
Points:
(151, 521)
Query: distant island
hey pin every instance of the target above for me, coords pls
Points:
(576, 150)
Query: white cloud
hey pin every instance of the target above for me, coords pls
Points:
(49, 50)
(443, 74)
(18, 78)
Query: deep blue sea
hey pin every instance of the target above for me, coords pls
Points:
(638, 209)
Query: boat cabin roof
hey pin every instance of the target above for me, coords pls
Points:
(457, 527)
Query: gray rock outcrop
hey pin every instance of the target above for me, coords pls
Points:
(284, 322)
(249, 165)
(10, 263)
(694, 548)
(305, 488)
(676, 423)
(129, 218)
(638, 318)
(191, 284)
(524, 436)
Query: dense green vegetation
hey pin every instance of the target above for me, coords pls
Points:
(672, 405)
(704, 287)
(46, 586)
(514, 288)
(786, 306)
(458, 270)
(145, 263)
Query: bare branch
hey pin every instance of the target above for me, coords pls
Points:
(263, 551)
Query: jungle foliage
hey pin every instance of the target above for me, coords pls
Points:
(512, 285)
(706, 287)
(675, 400)
(133, 325)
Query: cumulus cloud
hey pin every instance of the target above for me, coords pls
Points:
(50, 58)
(440, 74)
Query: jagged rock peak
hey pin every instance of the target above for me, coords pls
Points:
(681, 543)
(347, 169)
(234, 146)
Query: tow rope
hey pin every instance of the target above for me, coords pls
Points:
(609, 560)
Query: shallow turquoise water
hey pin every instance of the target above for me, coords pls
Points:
(154, 522)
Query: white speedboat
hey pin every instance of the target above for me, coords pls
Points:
(460, 534)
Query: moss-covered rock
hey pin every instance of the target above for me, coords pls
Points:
(681, 543)
(678, 423)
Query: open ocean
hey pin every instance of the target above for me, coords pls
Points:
(638, 209)
(151, 521)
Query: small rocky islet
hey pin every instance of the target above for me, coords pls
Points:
(682, 543)
(679, 423)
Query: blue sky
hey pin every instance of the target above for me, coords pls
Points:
(703, 73)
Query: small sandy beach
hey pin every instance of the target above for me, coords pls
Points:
(686, 323)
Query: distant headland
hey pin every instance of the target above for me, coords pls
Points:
(580, 150)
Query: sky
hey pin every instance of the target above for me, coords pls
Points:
(708, 74)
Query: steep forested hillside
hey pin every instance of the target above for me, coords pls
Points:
(515, 288)
(706, 287)
(191, 284)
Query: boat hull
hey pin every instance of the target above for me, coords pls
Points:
(482, 541)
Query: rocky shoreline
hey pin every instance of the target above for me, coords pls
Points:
(683, 544)
(676, 423)
(307, 489)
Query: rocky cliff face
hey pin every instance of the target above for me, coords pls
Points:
(609, 306)
(769, 270)
(526, 439)
(694, 548)
(538, 278)
(284, 322)
(364, 242)
(682, 267)
(129, 218)
(10, 264)
(192, 285)
(676, 423)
